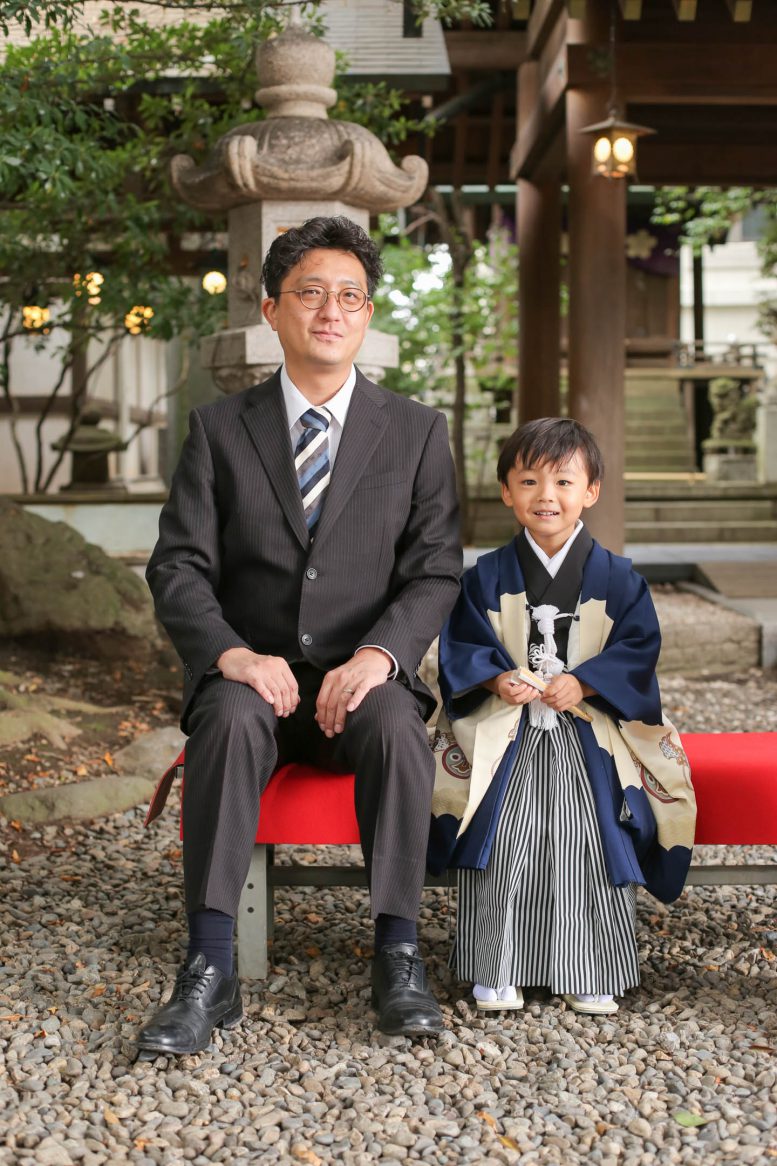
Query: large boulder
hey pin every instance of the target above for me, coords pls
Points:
(57, 587)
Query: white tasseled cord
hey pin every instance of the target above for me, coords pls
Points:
(544, 661)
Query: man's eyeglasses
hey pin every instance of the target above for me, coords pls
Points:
(350, 299)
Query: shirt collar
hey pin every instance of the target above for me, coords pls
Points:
(551, 563)
(296, 403)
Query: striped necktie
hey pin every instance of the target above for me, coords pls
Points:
(311, 461)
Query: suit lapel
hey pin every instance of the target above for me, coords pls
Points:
(265, 419)
(363, 429)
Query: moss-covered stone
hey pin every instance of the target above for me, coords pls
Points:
(54, 584)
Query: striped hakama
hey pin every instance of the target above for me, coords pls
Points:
(543, 912)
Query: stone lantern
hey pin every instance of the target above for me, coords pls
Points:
(89, 447)
(274, 174)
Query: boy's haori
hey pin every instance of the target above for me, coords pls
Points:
(638, 770)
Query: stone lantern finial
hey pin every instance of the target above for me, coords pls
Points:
(296, 71)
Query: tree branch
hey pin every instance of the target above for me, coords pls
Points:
(13, 404)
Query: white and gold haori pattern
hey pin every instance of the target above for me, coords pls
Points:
(468, 753)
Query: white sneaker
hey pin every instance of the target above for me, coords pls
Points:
(595, 1004)
(496, 999)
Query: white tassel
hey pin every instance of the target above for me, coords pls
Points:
(541, 716)
(545, 662)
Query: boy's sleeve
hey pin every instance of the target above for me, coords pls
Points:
(624, 673)
(470, 651)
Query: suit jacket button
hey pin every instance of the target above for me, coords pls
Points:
(306, 639)
(312, 573)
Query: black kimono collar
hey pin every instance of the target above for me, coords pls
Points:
(563, 590)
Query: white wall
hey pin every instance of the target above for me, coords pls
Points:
(733, 288)
(133, 375)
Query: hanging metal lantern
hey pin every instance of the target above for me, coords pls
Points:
(614, 152)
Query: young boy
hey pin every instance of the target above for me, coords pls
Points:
(578, 788)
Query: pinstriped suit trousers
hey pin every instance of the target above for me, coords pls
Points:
(235, 744)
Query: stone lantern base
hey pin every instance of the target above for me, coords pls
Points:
(241, 357)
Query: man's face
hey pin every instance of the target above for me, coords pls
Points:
(326, 338)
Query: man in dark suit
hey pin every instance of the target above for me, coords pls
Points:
(307, 557)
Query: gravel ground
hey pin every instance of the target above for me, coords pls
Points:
(93, 926)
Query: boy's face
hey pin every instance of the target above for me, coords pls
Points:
(548, 500)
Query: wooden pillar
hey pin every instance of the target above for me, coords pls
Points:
(539, 306)
(539, 270)
(597, 312)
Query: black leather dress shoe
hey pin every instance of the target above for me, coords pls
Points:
(203, 999)
(401, 995)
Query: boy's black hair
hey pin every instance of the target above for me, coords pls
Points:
(550, 439)
(334, 233)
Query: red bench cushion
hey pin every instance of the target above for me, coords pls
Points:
(734, 775)
(303, 804)
(735, 778)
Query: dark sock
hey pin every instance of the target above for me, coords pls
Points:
(211, 933)
(394, 929)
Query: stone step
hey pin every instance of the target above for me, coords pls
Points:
(676, 489)
(651, 427)
(656, 442)
(701, 532)
(648, 451)
(652, 390)
(634, 383)
(663, 465)
(654, 411)
(645, 397)
(668, 510)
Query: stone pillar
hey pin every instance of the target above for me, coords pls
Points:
(248, 350)
(766, 433)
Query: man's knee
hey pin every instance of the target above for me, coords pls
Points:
(389, 711)
(226, 706)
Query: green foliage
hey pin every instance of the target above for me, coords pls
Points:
(378, 107)
(477, 11)
(414, 303)
(36, 12)
(707, 213)
(89, 123)
(90, 120)
(50, 13)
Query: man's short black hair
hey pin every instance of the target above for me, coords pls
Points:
(334, 233)
(552, 440)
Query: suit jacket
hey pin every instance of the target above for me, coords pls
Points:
(234, 566)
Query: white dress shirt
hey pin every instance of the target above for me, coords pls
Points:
(337, 407)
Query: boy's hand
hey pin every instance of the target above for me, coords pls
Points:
(564, 691)
(510, 690)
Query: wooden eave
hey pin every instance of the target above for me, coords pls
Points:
(709, 87)
(486, 49)
(683, 74)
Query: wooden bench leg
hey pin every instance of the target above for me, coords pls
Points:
(255, 917)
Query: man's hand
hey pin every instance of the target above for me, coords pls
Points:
(511, 691)
(564, 691)
(344, 688)
(269, 675)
